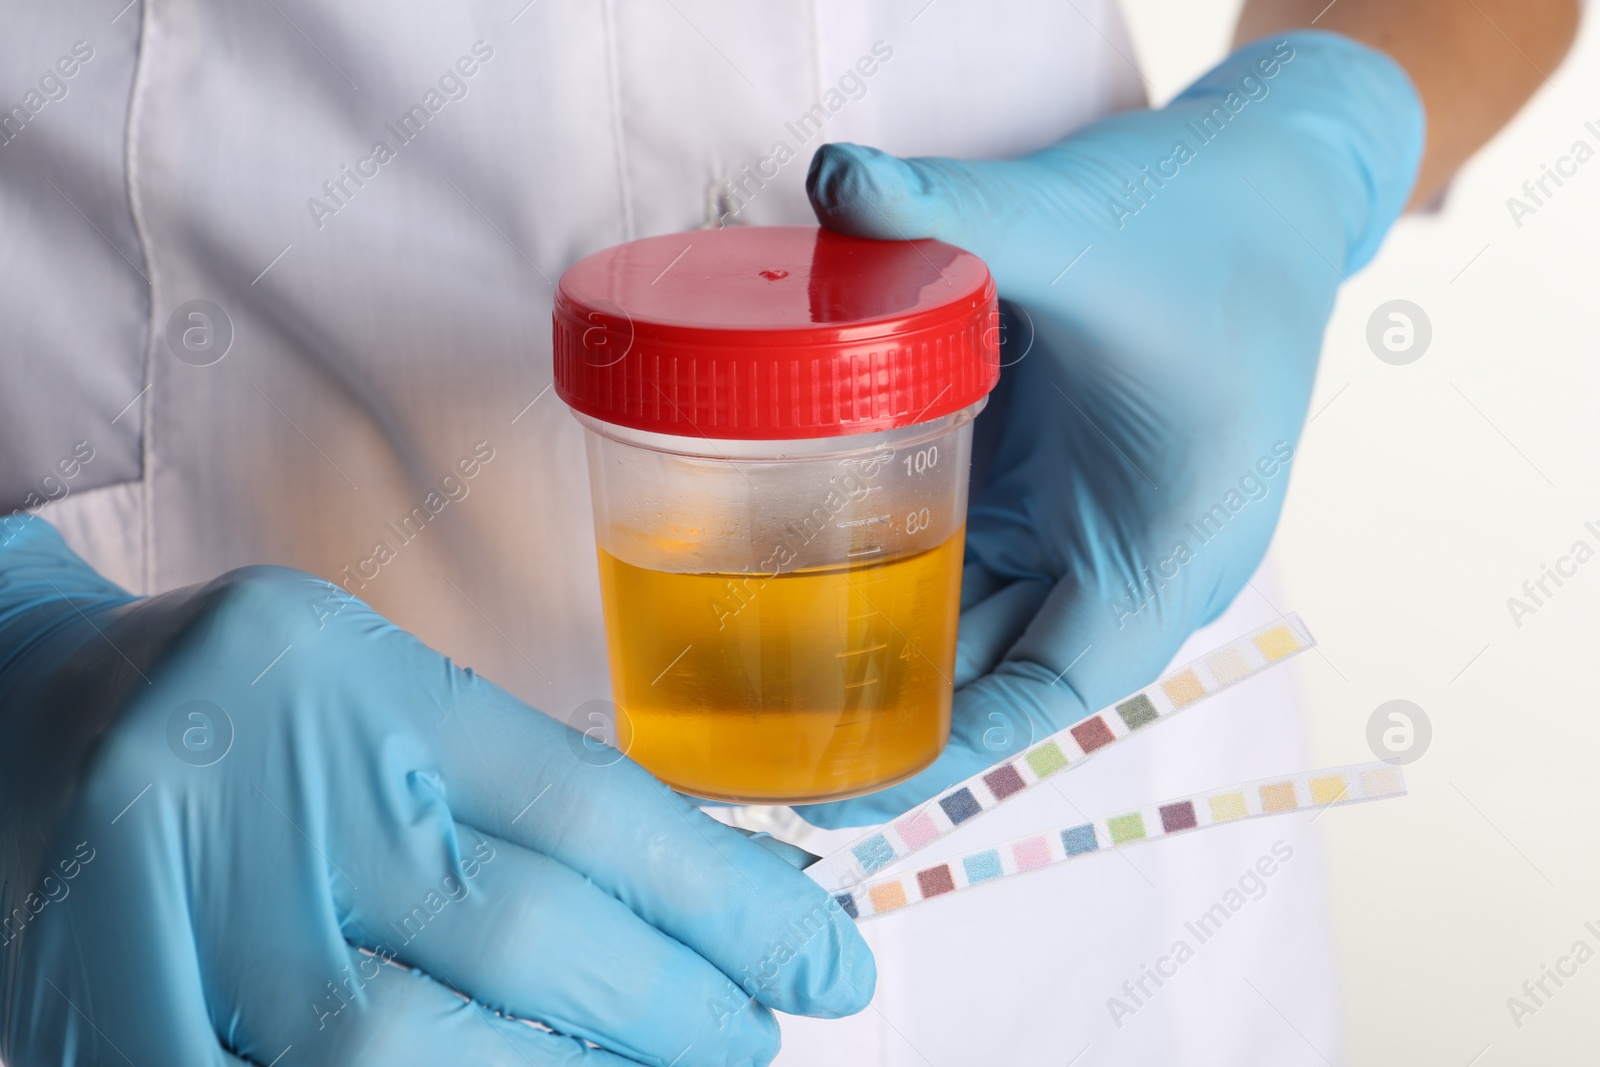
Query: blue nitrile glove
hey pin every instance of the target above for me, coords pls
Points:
(1167, 276)
(225, 810)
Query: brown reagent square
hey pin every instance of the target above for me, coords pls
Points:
(1092, 734)
(1003, 781)
(936, 880)
(1179, 816)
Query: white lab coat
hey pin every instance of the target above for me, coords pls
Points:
(389, 313)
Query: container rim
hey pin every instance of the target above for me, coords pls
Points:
(800, 449)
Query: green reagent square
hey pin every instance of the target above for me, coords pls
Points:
(1046, 759)
(1125, 828)
(1137, 711)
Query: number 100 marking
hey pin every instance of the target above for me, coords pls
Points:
(924, 460)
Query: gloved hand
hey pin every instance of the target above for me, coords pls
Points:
(1166, 276)
(253, 822)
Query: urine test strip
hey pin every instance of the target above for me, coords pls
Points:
(918, 828)
(1269, 796)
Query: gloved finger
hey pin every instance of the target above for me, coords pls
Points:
(517, 775)
(331, 884)
(139, 998)
(380, 1014)
(532, 938)
(995, 209)
(120, 966)
(523, 933)
(991, 625)
(866, 192)
(520, 776)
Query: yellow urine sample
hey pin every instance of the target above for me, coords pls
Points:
(811, 685)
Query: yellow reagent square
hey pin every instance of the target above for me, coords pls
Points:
(1228, 806)
(1183, 688)
(1380, 781)
(1328, 789)
(1228, 665)
(1278, 642)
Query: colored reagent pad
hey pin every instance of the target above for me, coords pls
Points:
(1188, 685)
(1269, 796)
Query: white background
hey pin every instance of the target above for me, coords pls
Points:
(1423, 497)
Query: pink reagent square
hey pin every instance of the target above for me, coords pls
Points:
(917, 830)
(1031, 854)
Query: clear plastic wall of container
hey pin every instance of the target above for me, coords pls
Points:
(782, 614)
(779, 423)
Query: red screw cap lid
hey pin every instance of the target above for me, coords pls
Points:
(774, 332)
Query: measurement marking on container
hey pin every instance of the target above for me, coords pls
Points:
(874, 520)
(859, 651)
(861, 685)
(863, 718)
(673, 664)
(873, 551)
(909, 643)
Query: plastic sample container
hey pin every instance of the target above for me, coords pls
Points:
(779, 426)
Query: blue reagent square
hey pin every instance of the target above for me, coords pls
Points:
(960, 806)
(1079, 839)
(874, 853)
(982, 867)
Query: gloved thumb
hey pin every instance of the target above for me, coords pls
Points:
(865, 192)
